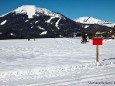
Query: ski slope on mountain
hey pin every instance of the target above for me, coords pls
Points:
(55, 62)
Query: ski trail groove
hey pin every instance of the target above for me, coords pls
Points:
(82, 79)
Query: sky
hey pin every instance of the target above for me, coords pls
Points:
(102, 9)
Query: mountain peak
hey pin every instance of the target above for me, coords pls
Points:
(32, 10)
(91, 20)
(26, 9)
(28, 6)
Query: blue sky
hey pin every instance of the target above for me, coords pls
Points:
(102, 9)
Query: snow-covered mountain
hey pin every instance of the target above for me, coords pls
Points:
(91, 20)
(32, 20)
(32, 10)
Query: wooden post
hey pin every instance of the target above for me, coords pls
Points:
(97, 53)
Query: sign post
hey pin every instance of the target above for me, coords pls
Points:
(97, 41)
(97, 53)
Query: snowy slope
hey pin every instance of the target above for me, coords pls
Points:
(32, 10)
(2, 23)
(55, 62)
(91, 20)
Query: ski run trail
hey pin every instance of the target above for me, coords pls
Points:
(56, 62)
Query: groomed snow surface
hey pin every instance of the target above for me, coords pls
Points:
(56, 62)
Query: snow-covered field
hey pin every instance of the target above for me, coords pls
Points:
(56, 62)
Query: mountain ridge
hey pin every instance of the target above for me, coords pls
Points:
(30, 20)
(33, 22)
(32, 10)
(92, 20)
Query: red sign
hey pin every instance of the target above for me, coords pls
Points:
(97, 41)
